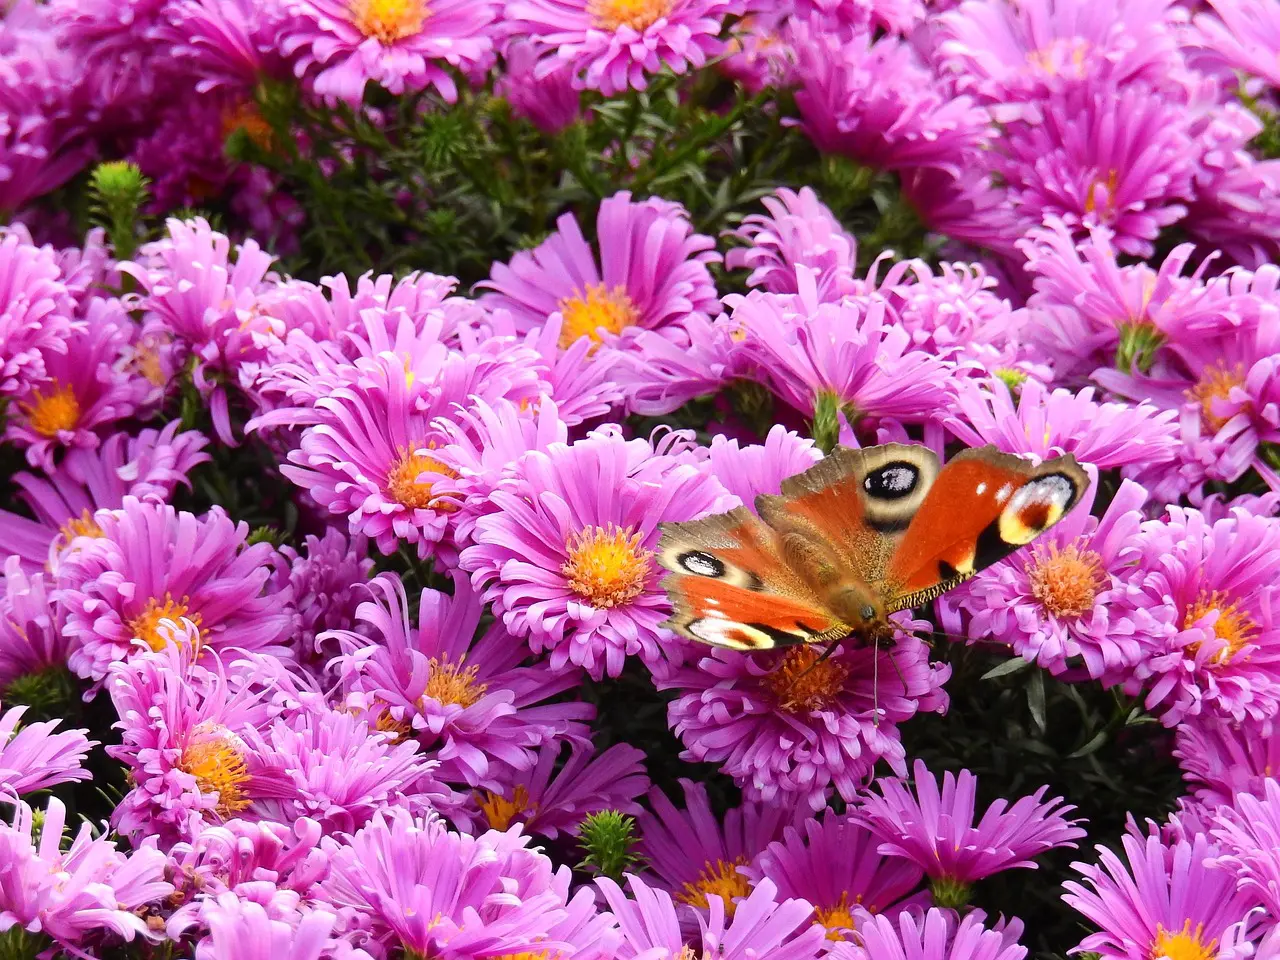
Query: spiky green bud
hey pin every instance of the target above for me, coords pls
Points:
(608, 838)
(826, 422)
(950, 894)
(119, 191)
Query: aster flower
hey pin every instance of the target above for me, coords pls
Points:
(787, 728)
(1168, 900)
(35, 313)
(1246, 33)
(567, 558)
(402, 46)
(605, 297)
(32, 638)
(149, 466)
(657, 373)
(1223, 759)
(936, 829)
(844, 16)
(1249, 834)
(242, 930)
(325, 581)
(74, 894)
(936, 936)
(1053, 603)
(799, 230)
(1122, 159)
(85, 388)
(762, 925)
(468, 700)
(224, 44)
(697, 856)
(34, 757)
(748, 471)
(1209, 588)
(550, 102)
(965, 205)
(1045, 424)
(612, 45)
(831, 862)
(153, 563)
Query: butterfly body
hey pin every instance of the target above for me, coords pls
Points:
(858, 536)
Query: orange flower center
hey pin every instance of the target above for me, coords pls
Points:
(246, 116)
(596, 310)
(389, 20)
(501, 812)
(1067, 581)
(1185, 944)
(1234, 626)
(404, 487)
(52, 412)
(146, 625)
(636, 14)
(1216, 383)
(607, 566)
(452, 683)
(799, 685)
(838, 919)
(1111, 181)
(219, 767)
(717, 879)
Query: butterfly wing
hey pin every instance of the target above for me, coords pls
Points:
(982, 507)
(731, 587)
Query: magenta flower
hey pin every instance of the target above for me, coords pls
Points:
(966, 205)
(1249, 833)
(613, 45)
(651, 274)
(550, 102)
(787, 730)
(149, 466)
(326, 582)
(697, 856)
(35, 757)
(1245, 33)
(567, 558)
(762, 925)
(242, 930)
(1223, 759)
(799, 230)
(551, 803)
(1209, 587)
(32, 635)
(224, 43)
(85, 389)
(404, 46)
(89, 888)
(154, 563)
(936, 830)
(844, 16)
(833, 864)
(658, 373)
(35, 313)
(467, 700)
(1168, 900)
(748, 471)
(937, 936)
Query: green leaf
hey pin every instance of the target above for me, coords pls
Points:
(1008, 668)
(1035, 700)
(1095, 743)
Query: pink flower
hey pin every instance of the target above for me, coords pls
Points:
(1249, 832)
(35, 313)
(1223, 759)
(798, 231)
(34, 757)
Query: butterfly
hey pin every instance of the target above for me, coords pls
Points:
(856, 537)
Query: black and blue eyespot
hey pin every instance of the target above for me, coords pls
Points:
(701, 564)
(893, 481)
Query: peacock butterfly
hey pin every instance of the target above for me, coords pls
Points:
(856, 537)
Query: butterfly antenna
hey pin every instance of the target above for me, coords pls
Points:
(829, 649)
(875, 681)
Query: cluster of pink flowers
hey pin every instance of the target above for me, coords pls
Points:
(329, 761)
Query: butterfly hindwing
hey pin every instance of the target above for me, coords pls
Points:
(983, 506)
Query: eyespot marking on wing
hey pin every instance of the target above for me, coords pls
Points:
(725, 633)
(1037, 505)
(701, 564)
(893, 481)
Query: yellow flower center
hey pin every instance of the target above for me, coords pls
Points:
(399, 730)
(1067, 581)
(1216, 384)
(1234, 626)
(799, 685)
(404, 487)
(146, 625)
(452, 683)
(1185, 944)
(1111, 181)
(219, 767)
(52, 412)
(607, 566)
(388, 20)
(81, 526)
(501, 812)
(598, 309)
(636, 14)
(838, 919)
(717, 879)
(1049, 58)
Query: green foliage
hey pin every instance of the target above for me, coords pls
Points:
(118, 191)
(17, 944)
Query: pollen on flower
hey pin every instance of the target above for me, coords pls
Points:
(399, 730)
(219, 767)
(1066, 581)
(52, 411)
(389, 20)
(1184, 944)
(501, 812)
(838, 919)
(81, 526)
(1234, 627)
(636, 14)
(1214, 387)
(598, 308)
(718, 879)
(800, 683)
(1051, 59)
(146, 625)
(404, 487)
(452, 683)
(607, 566)
(1111, 182)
